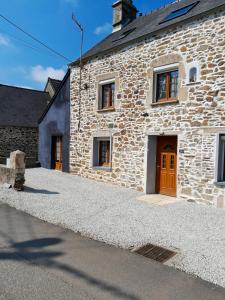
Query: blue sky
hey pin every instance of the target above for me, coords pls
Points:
(25, 63)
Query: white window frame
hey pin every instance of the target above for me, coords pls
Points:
(161, 70)
(101, 83)
(95, 156)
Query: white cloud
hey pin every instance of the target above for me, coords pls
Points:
(105, 28)
(4, 40)
(41, 74)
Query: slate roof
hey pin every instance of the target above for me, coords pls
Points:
(150, 24)
(62, 82)
(21, 107)
(55, 83)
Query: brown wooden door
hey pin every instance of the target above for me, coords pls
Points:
(57, 153)
(166, 164)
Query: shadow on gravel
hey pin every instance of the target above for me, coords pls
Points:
(37, 191)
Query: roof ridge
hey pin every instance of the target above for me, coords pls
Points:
(161, 7)
(22, 88)
(54, 79)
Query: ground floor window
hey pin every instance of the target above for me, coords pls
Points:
(102, 152)
(221, 161)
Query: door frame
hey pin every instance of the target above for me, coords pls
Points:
(161, 153)
(53, 145)
(151, 147)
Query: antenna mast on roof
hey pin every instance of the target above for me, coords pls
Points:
(81, 29)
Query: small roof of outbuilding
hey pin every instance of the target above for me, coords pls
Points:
(21, 107)
(151, 24)
(55, 83)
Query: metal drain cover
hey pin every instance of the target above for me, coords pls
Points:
(156, 253)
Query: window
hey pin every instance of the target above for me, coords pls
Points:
(193, 75)
(102, 152)
(107, 96)
(124, 34)
(167, 86)
(221, 161)
(179, 12)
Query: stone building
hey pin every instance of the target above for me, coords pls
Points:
(20, 110)
(151, 115)
(54, 129)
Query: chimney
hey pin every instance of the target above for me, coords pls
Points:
(123, 13)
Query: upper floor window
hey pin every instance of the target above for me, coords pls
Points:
(221, 160)
(193, 75)
(167, 86)
(107, 95)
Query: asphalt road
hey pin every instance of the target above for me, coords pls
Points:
(42, 261)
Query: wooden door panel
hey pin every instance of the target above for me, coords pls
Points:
(58, 166)
(166, 166)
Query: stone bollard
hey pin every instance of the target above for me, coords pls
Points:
(17, 163)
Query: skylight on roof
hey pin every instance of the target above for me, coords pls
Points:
(124, 34)
(179, 12)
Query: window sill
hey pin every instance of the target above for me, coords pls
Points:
(99, 168)
(106, 110)
(165, 102)
(193, 83)
(221, 183)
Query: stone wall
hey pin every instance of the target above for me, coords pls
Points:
(14, 174)
(19, 138)
(196, 119)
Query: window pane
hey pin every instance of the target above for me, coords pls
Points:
(104, 153)
(221, 160)
(180, 12)
(173, 84)
(193, 75)
(108, 95)
(172, 162)
(164, 161)
(105, 96)
(112, 94)
(161, 86)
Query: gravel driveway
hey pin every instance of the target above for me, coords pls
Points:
(113, 215)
